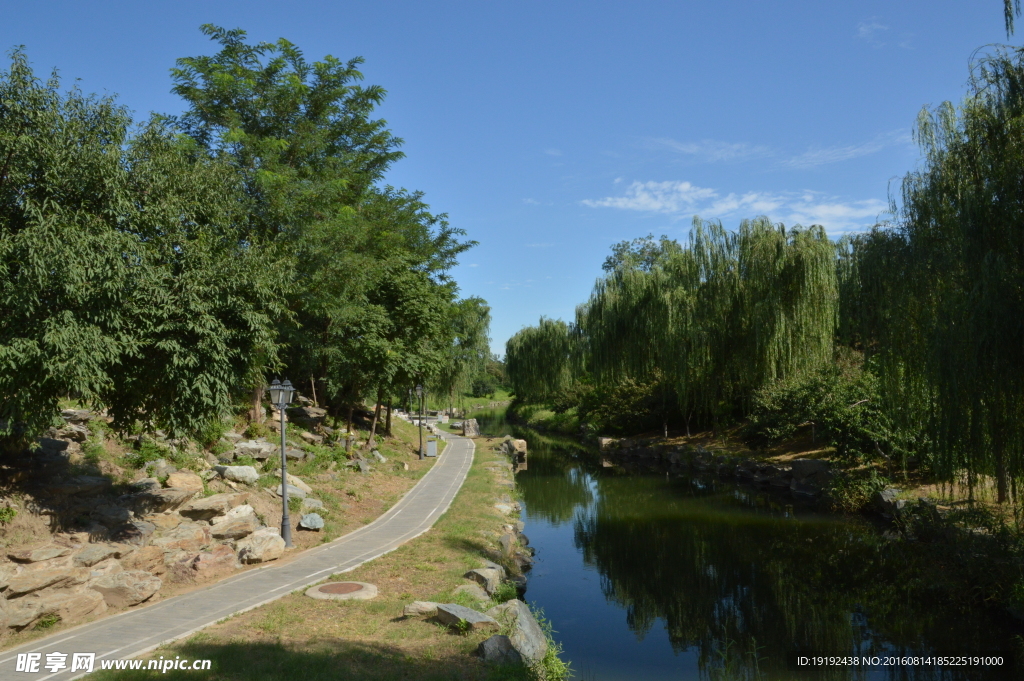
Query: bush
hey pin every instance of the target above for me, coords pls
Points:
(842, 405)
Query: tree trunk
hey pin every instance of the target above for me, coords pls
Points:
(312, 387)
(256, 414)
(348, 436)
(376, 417)
(387, 425)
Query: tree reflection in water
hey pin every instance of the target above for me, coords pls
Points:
(744, 585)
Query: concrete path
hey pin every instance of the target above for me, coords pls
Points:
(139, 630)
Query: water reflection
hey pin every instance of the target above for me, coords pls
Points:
(733, 582)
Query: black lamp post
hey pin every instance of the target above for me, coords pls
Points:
(281, 397)
(419, 395)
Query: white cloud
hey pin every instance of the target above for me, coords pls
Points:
(532, 202)
(683, 199)
(661, 197)
(715, 150)
(553, 152)
(871, 31)
(473, 265)
(821, 156)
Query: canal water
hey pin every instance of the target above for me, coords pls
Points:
(651, 578)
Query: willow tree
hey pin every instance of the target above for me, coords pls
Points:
(955, 293)
(538, 359)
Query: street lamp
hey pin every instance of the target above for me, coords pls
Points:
(419, 395)
(281, 397)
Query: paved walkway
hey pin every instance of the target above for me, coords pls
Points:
(140, 630)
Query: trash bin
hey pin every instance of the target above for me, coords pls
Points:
(431, 446)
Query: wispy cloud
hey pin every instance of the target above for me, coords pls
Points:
(871, 32)
(822, 155)
(553, 152)
(683, 199)
(531, 202)
(715, 151)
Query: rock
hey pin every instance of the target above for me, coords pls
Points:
(185, 480)
(474, 591)
(211, 507)
(294, 482)
(160, 468)
(494, 566)
(74, 606)
(94, 553)
(111, 516)
(49, 444)
(236, 527)
(40, 578)
(294, 454)
(420, 609)
(261, 546)
(293, 492)
(164, 521)
(498, 649)
(246, 475)
(310, 504)
(76, 415)
(106, 568)
(261, 451)
(364, 467)
(146, 484)
(488, 578)
(127, 588)
(806, 468)
(527, 637)
(220, 560)
(159, 500)
(39, 554)
(452, 615)
(311, 521)
(886, 501)
(470, 428)
(148, 558)
(82, 485)
(379, 457)
(507, 542)
(188, 537)
(606, 443)
(504, 508)
(307, 415)
(311, 437)
(7, 571)
(232, 436)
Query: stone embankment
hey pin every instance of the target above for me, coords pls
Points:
(116, 545)
(517, 636)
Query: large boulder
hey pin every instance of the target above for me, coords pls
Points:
(498, 649)
(239, 522)
(127, 588)
(257, 449)
(37, 578)
(185, 480)
(312, 521)
(246, 475)
(211, 507)
(488, 578)
(148, 558)
(470, 428)
(186, 537)
(804, 469)
(526, 635)
(294, 482)
(261, 546)
(293, 492)
(420, 609)
(95, 553)
(886, 501)
(453, 615)
(218, 561)
(39, 554)
(308, 416)
(82, 485)
(159, 500)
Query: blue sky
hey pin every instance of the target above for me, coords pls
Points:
(551, 130)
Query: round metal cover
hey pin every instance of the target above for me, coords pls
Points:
(342, 591)
(339, 588)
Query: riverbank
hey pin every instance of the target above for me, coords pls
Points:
(299, 637)
(970, 551)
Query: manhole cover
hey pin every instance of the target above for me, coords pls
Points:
(343, 591)
(340, 588)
